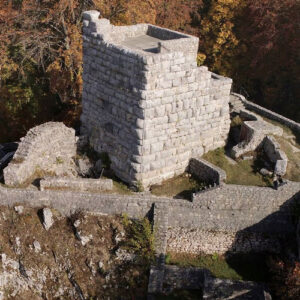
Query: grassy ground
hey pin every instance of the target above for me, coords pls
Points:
(182, 186)
(245, 172)
(120, 187)
(241, 267)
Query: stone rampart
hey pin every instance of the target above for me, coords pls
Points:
(77, 184)
(230, 218)
(145, 101)
(206, 171)
(47, 149)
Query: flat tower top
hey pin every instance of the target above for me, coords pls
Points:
(143, 42)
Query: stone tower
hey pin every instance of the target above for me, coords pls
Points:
(145, 101)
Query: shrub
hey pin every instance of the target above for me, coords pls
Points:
(139, 239)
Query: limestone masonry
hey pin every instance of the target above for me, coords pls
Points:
(46, 149)
(145, 101)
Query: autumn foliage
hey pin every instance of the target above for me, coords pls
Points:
(254, 42)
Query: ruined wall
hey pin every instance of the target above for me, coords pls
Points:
(276, 155)
(207, 172)
(46, 149)
(150, 109)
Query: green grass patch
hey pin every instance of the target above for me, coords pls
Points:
(245, 172)
(121, 188)
(236, 267)
(182, 186)
(236, 121)
(139, 239)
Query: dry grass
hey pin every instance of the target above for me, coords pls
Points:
(182, 186)
(62, 254)
(245, 172)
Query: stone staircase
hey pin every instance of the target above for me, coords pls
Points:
(235, 104)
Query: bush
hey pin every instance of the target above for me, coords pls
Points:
(139, 239)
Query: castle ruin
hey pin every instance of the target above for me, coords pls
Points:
(146, 102)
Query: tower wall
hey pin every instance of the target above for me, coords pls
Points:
(152, 108)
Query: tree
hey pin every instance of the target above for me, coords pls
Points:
(269, 31)
(218, 41)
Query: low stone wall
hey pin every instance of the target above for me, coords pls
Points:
(47, 148)
(268, 113)
(206, 171)
(67, 202)
(77, 184)
(276, 155)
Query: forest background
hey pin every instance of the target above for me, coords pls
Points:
(255, 42)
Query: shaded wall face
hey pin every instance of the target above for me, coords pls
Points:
(150, 112)
(112, 115)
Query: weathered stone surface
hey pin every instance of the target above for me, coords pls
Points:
(265, 172)
(77, 184)
(276, 155)
(37, 246)
(145, 101)
(19, 209)
(84, 166)
(47, 218)
(197, 240)
(46, 149)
